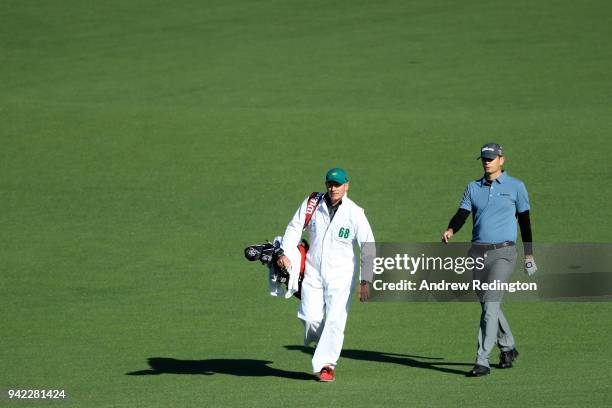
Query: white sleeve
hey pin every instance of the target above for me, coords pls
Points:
(368, 252)
(293, 233)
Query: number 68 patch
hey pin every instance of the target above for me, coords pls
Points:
(344, 233)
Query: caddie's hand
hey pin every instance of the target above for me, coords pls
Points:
(530, 266)
(364, 291)
(284, 262)
(446, 235)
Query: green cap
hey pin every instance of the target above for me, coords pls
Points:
(336, 174)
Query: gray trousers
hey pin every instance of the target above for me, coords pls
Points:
(494, 328)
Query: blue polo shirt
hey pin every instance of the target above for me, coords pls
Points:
(494, 207)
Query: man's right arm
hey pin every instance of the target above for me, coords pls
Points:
(293, 234)
(460, 216)
(455, 224)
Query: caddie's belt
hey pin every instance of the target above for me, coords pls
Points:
(489, 247)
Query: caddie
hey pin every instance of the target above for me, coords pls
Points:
(334, 224)
(496, 201)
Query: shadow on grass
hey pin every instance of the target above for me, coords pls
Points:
(239, 367)
(433, 363)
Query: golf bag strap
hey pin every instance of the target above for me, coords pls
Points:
(313, 202)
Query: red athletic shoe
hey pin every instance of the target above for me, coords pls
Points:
(327, 374)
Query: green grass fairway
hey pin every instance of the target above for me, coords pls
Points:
(144, 144)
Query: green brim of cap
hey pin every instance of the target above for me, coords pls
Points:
(336, 180)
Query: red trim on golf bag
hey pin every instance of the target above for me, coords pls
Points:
(313, 202)
(302, 248)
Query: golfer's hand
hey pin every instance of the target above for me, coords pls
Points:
(364, 291)
(284, 262)
(446, 235)
(530, 266)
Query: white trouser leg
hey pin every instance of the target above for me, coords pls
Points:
(312, 310)
(337, 299)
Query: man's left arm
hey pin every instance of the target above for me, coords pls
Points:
(365, 238)
(524, 221)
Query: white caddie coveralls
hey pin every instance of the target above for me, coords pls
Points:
(328, 278)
